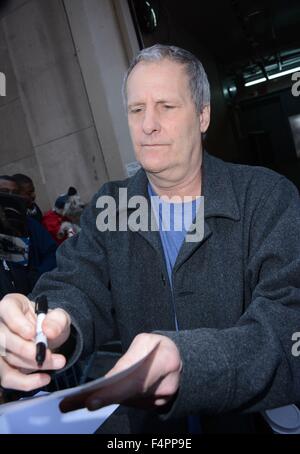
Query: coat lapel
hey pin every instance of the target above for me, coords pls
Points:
(219, 201)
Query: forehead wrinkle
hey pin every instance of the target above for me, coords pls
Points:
(158, 101)
(174, 80)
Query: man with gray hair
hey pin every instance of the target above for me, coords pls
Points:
(197, 78)
(217, 314)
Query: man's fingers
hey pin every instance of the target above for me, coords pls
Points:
(13, 379)
(72, 403)
(52, 362)
(22, 353)
(17, 345)
(14, 311)
(131, 393)
(82, 400)
(56, 327)
(55, 322)
(153, 382)
(138, 349)
(17, 313)
(120, 392)
(95, 401)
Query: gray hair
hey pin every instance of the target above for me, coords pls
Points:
(198, 82)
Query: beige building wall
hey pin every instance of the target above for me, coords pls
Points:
(61, 121)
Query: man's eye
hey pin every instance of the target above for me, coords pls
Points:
(136, 110)
(167, 106)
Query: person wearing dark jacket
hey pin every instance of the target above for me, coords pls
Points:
(216, 313)
(27, 190)
(41, 250)
(42, 247)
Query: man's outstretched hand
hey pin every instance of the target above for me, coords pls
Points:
(153, 384)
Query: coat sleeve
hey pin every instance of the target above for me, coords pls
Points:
(250, 366)
(81, 285)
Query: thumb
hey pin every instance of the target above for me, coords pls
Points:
(56, 327)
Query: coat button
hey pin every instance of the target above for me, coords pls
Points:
(163, 279)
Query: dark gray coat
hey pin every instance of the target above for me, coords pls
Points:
(236, 293)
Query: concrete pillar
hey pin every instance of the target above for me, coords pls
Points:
(16, 150)
(105, 40)
(62, 138)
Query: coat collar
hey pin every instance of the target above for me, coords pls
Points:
(219, 196)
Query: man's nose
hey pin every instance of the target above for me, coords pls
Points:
(151, 121)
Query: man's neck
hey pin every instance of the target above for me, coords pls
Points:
(188, 187)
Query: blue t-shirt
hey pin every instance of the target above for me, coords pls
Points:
(174, 221)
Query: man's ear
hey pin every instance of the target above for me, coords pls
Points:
(205, 118)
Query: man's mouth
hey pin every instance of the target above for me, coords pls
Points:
(154, 145)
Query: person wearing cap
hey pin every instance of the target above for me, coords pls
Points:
(62, 221)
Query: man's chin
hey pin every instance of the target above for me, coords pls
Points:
(154, 169)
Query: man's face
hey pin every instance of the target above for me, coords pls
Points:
(27, 191)
(9, 187)
(164, 125)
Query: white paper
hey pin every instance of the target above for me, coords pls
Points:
(41, 414)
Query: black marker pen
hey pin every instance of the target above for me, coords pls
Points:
(41, 309)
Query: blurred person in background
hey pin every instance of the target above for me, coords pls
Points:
(62, 221)
(27, 190)
(42, 249)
